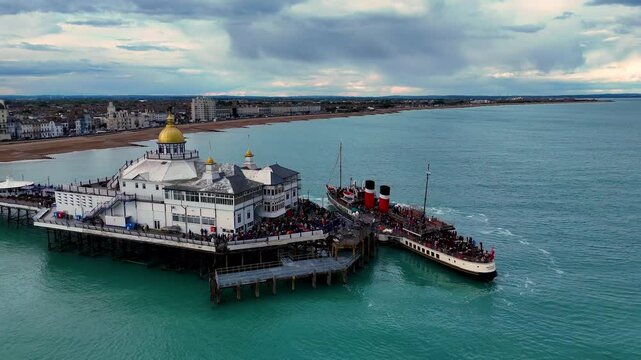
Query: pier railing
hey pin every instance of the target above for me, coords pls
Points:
(266, 265)
(117, 230)
(277, 237)
(189, 154)
(178, 239)
(89, 190)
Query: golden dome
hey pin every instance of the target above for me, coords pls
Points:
(210, 161)
(249, 153)
(170, 134)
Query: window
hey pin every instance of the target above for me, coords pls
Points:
(432, 253)
(240, 216)
(287, 196)
(136, 185)
(249, 215)
(294, 192)
(156, 224)
(144, 186)
(192, 196)
(124, 184)
(157, 187)
(208, 221)
(438, 257)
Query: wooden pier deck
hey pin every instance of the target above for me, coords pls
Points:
(286, 270)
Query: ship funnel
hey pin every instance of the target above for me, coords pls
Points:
(383, 200)
(370, 194)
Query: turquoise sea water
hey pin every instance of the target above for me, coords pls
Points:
(555, 188)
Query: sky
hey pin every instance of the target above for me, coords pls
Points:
(319, 47)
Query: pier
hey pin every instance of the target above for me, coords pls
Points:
(20, 212)
(294, 268)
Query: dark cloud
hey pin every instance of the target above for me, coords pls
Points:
(99, 23)
(145, 47)
(35, 47)
(47, 68)
(428, 44)
(615, 2)
(565, 15)
(525, 28)
(171, 8)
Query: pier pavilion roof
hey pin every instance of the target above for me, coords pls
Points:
(270, 175)
(162, 170)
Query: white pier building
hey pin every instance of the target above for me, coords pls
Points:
(172, 188)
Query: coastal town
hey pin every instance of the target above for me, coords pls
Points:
(46, 118)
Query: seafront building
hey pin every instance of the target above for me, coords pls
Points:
(124, 120)
(203, 109)
(172, 188)
(4, 118)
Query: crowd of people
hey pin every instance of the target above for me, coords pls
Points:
(430, 234)
(465, 248)
(306, 216)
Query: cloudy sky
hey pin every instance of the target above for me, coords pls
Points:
(320, 47)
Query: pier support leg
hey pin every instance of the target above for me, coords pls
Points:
(273, 285)
(238, 292)
(257, 289)
(293, 283)
(344, 276)
(329, 278)
(314, 280)
(212, 288)
(48, 240)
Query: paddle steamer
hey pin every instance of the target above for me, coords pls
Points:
(412, 228)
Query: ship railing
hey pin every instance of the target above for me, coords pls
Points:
(456, 254)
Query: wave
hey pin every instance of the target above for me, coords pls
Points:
(499, 231)
(480, 217)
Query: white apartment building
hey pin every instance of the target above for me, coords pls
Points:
(203, 109)
(4, 119)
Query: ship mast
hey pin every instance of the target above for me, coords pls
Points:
(427, 180)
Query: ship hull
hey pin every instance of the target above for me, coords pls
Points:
(478, 271)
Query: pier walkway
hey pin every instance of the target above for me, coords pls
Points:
(46, 220)
(285, 269)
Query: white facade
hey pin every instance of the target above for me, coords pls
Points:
(203, 109)
(176, 189)
(125, 120)
(255, 111)
(4, 119)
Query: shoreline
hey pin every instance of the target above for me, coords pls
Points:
(42, 149)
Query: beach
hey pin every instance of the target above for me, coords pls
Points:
(43, 148)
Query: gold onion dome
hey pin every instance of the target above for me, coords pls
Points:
(210, 161)
(170, 134)
(249, 153)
